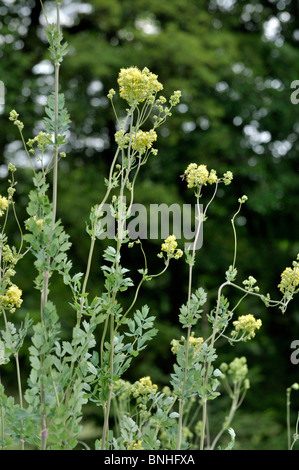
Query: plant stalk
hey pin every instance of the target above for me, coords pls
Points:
(182, 400)
(20, 395)
(204, 408)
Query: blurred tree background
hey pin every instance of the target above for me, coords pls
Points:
(234, 62)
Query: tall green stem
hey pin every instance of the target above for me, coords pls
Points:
(44, 430)
(295, 437)
(93, 235)
(20, 393)
(288, 403)
(204, 407)
(89, 261)
(235, 236)
(121, 221)
(182, 399)
(56, 147)
(233, 408)
(111, 365)
(97, 217)
(2, 424)
(44, 293)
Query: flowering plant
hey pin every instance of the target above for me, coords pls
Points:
(106, 337)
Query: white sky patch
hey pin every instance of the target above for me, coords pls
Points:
(284, 17)
(241, 220)
(96, 143)
(182, 108)
(8, 2)
(274, 83)
(240, 69)
(41, 100)
(255, 136)
(237, 121)
(224, 5)
(257, 139)
(45, 67)
(272, 29)
(99, 102)
(3, 171)
(15, 153)
(68, 12)
(203, 122)
(147, 26)
(189, 126)
(221, 86)
(94, 87)
(280, 148)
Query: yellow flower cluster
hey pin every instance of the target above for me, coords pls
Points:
(135, 445)
(250, 284)
(199, 175)
(196, 175)
(170, 247)
(137, 85)
(8, 255)
(247, 324)
(43, 140)
(12, 298)
(175, 346)
(13, 116)
(175, 98)
(212, 177)
(227, 178)
(11, 168)
(144, 386)
(243, 199)
(3, 204)
(111, 94)
(289, 279)
(122, 139)
(195, 343)
(141, 141)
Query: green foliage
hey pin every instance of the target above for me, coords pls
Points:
(48, 242)
(190, 314)
(225, 70)
(63, 118)
(13, 339)
(223, 314)
(56, 48)
(20, 424)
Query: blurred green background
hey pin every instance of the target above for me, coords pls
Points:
(234, 62)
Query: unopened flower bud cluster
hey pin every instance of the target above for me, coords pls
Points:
(236, 371)
(199, 175)
(247, 326)
(170, 248)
